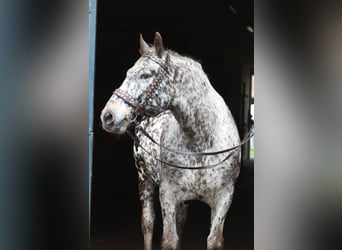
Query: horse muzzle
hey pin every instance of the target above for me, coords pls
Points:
(115, 118)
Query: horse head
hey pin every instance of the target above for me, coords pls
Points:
(145, 91)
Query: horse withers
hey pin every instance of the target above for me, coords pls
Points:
(176, 116)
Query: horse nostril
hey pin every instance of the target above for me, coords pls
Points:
(108, 117)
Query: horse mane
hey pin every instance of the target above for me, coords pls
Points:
(185, 57)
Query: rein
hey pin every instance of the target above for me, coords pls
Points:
(244, 141)
(249, 135)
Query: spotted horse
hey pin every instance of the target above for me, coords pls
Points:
(180, 126)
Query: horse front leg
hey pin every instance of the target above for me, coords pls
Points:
(181, 214)
(146, 193)
(219, 211)
(168, 203)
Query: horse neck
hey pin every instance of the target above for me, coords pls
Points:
(198, 108)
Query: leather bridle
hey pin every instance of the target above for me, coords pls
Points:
(139, 112)
(162, 73)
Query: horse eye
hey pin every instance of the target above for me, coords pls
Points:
(145, 76)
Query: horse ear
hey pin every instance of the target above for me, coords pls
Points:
(143, 45)
(158, 44)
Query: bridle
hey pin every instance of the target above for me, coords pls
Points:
(139, 112)
(162, 73)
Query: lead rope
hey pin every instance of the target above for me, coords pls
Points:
(249, 135)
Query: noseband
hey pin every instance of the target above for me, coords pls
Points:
(163, 71)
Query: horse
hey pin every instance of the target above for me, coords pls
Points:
(177, 119)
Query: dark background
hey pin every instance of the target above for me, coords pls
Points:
(207, 31)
